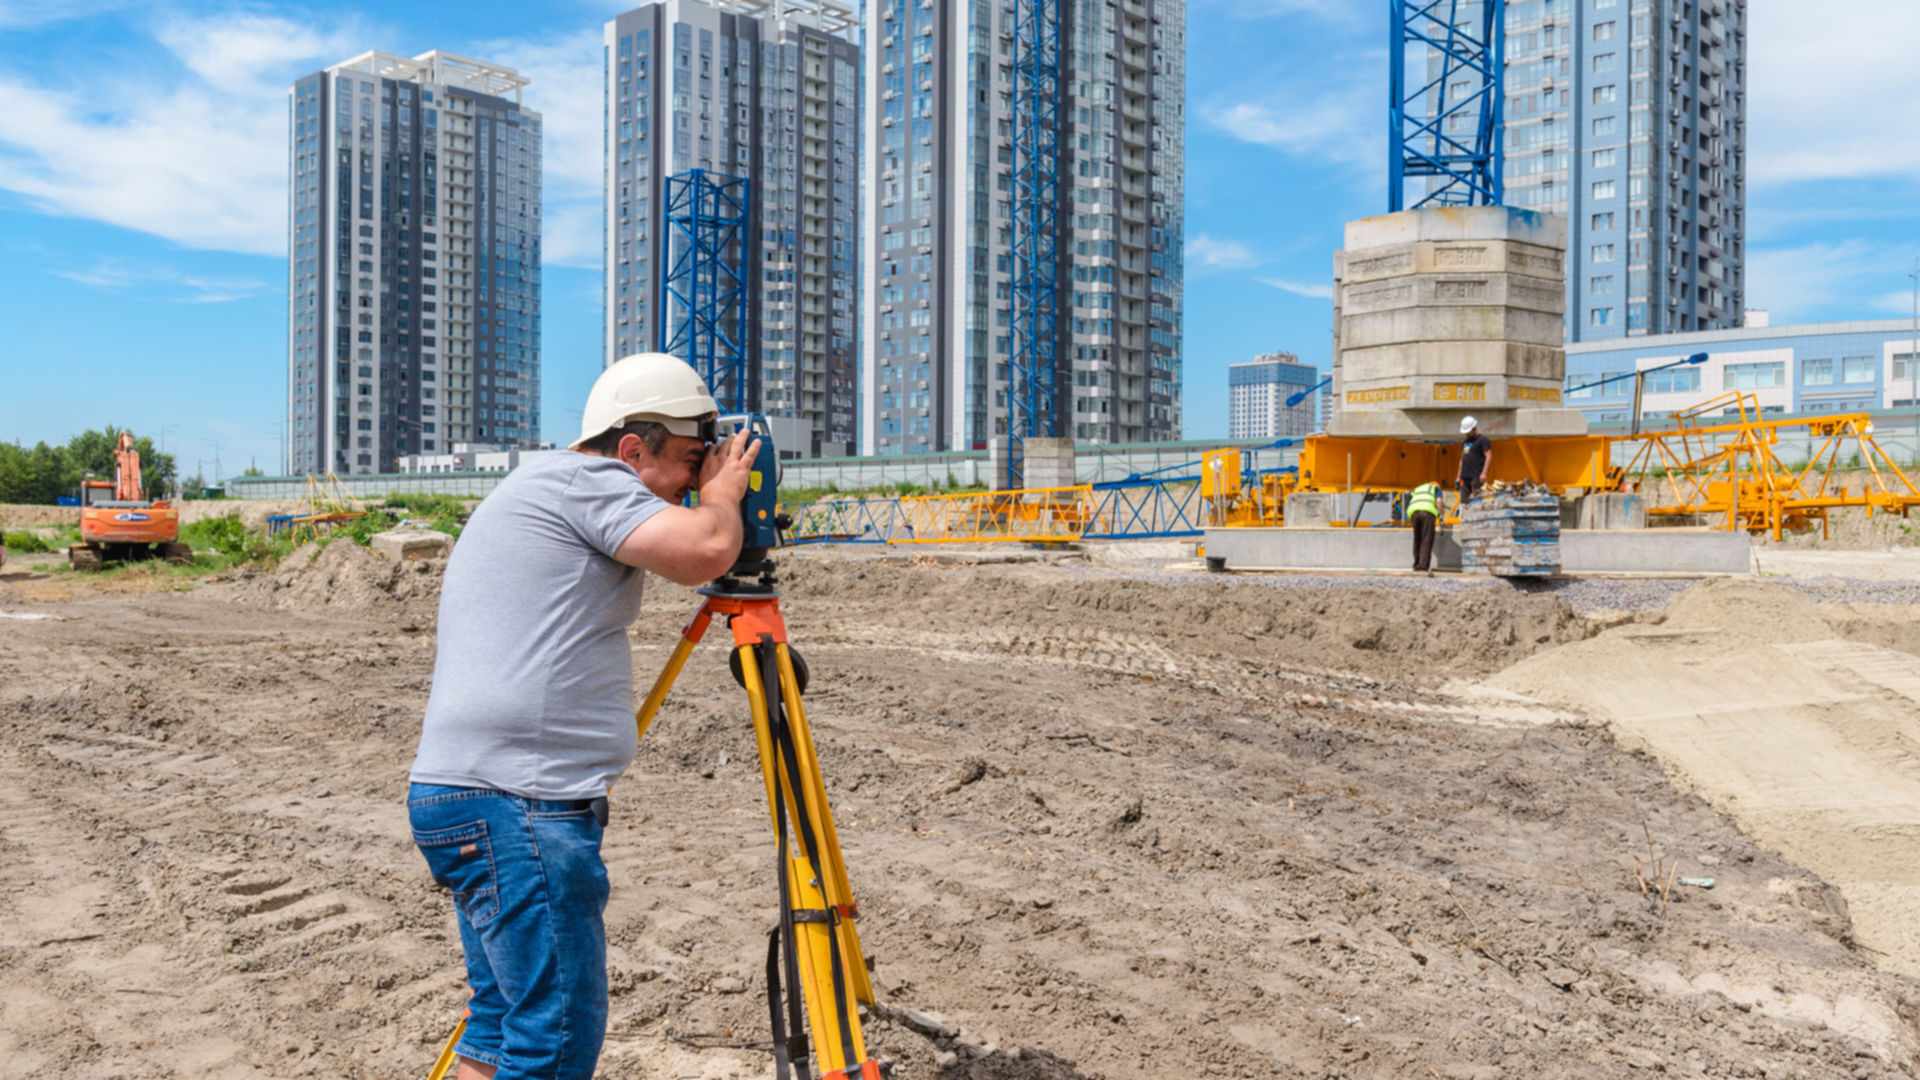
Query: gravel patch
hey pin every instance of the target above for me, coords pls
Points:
(1834, 590)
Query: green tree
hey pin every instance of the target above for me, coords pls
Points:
(44, 473)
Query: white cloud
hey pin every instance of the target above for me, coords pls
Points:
(566, 90)
(1339, 127)
(1833, 90)
(199, 156)
(1210, 253)
(1311, 290)
(118, 275)
(16, 14)
(200, 161)
(1333, 10)
(1850, 279)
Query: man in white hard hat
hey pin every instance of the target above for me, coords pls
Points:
(1476, 458)
(531, 713)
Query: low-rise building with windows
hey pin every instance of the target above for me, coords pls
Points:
(1864, 366)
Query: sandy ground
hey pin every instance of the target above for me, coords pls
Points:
(1104, 818)
(1809, 741)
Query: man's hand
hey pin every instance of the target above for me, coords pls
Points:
(723, 475)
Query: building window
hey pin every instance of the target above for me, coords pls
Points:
(1605, 384)
(1903, 367)
(1606, 95)
(1605, 62)
(1601, 285)
(1600, 253)
(1604, 159)
(1684, 380)
(1604, 31)
(1604, 126)
(1603, 189)
(1602, 221)
(1816, 373)
(1857, 369)
(1755, 376)
(1600, 316)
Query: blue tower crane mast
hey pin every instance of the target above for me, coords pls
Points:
(704, 293)
(1032, 411)
(1445, 122)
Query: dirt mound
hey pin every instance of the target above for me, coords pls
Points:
(1749, 609)
(345, 575)
(1382, 633)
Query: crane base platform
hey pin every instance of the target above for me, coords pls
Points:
(1582, 551)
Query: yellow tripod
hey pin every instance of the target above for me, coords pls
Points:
(815, 942)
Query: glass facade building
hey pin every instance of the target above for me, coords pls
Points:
(414, 262)
(936, 300)
(1257, 394)
(1865, 366)
(1629, 118)
(766, 92)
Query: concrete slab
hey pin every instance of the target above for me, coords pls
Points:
(411, 545)
(1654, 551)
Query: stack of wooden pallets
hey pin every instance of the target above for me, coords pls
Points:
(1511, 534)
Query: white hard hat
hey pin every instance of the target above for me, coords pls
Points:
(1467, 423)
(647, 386)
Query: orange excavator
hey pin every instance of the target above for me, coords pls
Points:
(117, 524)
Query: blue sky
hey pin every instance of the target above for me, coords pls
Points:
(143, 189)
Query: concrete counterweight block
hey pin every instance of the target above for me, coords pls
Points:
(1449, 310)
(1048, 463)
(411, 545)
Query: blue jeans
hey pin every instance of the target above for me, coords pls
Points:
(531, 894)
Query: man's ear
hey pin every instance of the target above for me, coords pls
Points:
(631, 447)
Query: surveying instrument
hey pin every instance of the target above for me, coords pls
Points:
(814, 942)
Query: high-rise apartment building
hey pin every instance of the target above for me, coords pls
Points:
(1257, 393)
(768, 92)
(1629, 117)
(414, 262)
(936, 303)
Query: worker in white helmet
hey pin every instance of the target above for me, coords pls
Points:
(1476, 459)
(531, 713)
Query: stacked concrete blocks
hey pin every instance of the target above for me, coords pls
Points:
(1446, 311)
(1511, 535)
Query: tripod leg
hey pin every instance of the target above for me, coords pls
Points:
(689, 637)
(835, 884)
(444, 1063)
(818, 909)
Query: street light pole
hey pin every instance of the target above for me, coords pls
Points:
(1913, 361)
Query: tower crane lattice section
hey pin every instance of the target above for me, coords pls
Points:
(704, 293)
(1032, 411)
(1445, 123)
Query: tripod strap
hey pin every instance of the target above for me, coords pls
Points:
(781, 735)
(789, 1031)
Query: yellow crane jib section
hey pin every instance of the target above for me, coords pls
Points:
(1721, 463)
(1331, 463)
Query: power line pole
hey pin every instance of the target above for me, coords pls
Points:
(215, 444)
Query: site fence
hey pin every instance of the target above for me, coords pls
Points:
(1093, 465)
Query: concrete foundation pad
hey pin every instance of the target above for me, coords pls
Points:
(1645, 551)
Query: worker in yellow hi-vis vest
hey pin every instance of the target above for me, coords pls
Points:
(1423, 511)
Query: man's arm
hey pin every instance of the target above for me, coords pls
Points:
(694, 545)
(1486, 465)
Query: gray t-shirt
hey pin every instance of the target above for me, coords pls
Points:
(533, 681)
